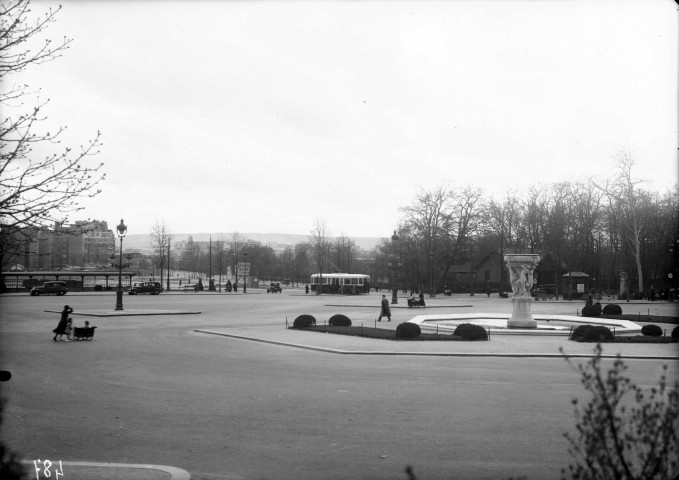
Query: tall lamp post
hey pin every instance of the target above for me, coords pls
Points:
(432, 292)
(472, 272)
(394, 263)
(121, 231)
(245, 273)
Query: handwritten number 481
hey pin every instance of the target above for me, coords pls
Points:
(47, 468)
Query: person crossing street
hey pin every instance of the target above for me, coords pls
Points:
(385, 311)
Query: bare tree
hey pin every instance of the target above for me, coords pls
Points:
(236, 245)
(35, 189)
(220, 254)
(503, 220)
(623, 194)
(320, 245)
(160, 239)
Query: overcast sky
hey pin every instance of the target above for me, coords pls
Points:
(264, 116)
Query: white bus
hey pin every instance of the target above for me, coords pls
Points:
(346, 283)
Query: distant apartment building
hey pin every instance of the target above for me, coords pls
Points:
(82, 244)
(85, 243)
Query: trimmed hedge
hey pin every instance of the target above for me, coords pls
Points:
(612, 309)
(408, 330)
(592, 310)
(592, 333)
(651, 330)
(675, 332)
(579, 332)
(339, 320)
(470, 331)
(598, 333)
(304, 321)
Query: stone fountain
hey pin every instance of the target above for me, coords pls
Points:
(521, 321)
(521, 267)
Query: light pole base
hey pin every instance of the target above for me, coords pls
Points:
(119, 300)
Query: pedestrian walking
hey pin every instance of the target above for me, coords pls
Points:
(385, 311)
(306, 289)
(63, 321)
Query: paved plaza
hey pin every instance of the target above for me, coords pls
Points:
(165, 392)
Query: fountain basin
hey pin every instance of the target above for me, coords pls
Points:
(559, 325)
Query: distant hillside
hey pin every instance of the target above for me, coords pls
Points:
(141, 241)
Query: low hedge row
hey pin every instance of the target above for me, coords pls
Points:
(408, 330)
(592, 310)
(304, 321)
(592, 333)
(339, 320)
(470, 331)
(612, 309)
(651, 330)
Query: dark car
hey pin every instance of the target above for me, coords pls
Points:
(275, 287)
(50, 288)
(154, 288)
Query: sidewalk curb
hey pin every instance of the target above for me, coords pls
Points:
(174, 472)
(437, 354)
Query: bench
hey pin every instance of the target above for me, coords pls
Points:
(504, 295)
(415, 303)
(191, 288)
(83, 333)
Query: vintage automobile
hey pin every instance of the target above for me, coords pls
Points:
(154, 288)
(50, 288)
(274, 287)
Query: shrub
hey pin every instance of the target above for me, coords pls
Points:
(98, 288)
(612, 309)
(651, 330)
(340, 320)
(469, 331)
(579, 332)
(408, 330)
(304, 321)
(623, 430)
(597, 333)
(675, 332)
(592, 310)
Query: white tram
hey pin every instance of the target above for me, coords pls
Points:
(347, 283)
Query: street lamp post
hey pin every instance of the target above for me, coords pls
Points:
(432, 289)
(394, 263)
(121, 231)
(245, 273)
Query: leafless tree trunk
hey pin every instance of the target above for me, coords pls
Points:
(160, 239)
(623, 192)
(236, 244)
(321, 248)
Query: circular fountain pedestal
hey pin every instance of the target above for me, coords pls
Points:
(521, 316)
(521, 267)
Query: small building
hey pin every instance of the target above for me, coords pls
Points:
(574, 285)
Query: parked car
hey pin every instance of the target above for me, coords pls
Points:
(275, 287)
(50, 288)
(154, 288)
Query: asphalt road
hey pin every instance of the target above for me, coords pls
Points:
(150, 390)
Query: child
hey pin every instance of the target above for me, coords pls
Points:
(69, 330)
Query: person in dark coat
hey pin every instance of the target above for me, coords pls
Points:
(422, 300)
(63, 322)
(385, 311)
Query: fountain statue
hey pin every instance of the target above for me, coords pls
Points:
(521, 267)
